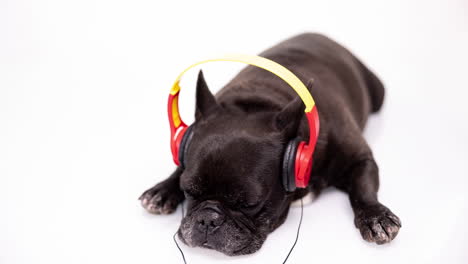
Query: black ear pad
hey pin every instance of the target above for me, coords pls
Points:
(289, 162)
(184, 143)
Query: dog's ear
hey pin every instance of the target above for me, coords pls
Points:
(288, 119)
(205, 101)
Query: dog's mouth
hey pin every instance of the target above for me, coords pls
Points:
(239, 251)
(242, 250)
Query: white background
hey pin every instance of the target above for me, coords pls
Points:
(83, 129)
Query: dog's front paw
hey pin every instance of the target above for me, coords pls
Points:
(377, 223)
(162, 198)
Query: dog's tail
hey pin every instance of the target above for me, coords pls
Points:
(375, 87)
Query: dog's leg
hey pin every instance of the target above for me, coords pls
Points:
(375, 221)
(361, 181)
(165, 196)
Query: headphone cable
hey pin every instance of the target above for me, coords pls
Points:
(174, 237)
(297, 234)
(289, 253)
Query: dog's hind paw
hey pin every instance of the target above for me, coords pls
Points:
(162, 198)
(377, 224)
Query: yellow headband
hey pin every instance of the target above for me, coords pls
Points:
(265, 64)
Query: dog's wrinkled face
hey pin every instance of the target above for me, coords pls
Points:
(233, 203)
(232, 179)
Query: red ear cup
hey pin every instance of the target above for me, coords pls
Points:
(175, 145)
(303, 165)
(297, 164)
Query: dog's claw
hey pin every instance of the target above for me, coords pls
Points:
(394, 219)
(162, 198)
(377, 224)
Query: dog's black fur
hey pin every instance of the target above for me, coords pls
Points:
(232, 180)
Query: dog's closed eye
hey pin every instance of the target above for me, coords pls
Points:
(250, 206)
(251, 209)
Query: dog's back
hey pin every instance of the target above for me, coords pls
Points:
(340, 79)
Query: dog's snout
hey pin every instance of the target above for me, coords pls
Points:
(209, 220)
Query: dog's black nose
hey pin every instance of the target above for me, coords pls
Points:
(209, 220)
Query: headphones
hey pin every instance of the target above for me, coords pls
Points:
(297, 159)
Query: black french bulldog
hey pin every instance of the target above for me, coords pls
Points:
(232, 180)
